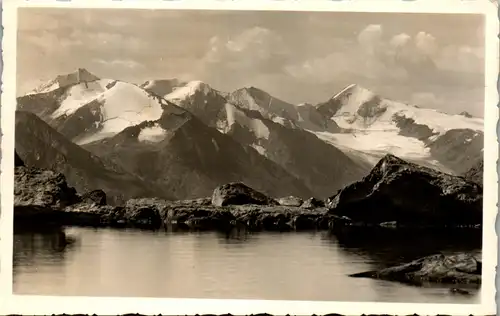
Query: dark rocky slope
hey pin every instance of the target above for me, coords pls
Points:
(409, 195)
(322, 167)
(192, 158)
(458, 149)
(475, 174)
(39, 145)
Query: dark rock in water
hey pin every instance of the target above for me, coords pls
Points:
(18, 162)
(461, 268)
(466, 114)
(411, 195)
(96, 196)
(313, 203)
(237, 193)
(459, 291)
(290, 201)
(42, 189)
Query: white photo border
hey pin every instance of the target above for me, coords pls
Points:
(36, 305)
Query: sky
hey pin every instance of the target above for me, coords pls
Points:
(430, 60)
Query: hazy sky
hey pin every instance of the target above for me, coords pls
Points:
(429, 60)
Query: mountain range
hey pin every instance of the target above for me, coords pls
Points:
(179, 140)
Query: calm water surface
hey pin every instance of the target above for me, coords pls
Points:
(290, 266)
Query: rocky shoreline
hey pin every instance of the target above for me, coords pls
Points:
(395, 195)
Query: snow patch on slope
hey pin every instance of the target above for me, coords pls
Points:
(79, 95)
(188, 90)
(122, 106)
(153, 134)
(235, 115)
(261, 150)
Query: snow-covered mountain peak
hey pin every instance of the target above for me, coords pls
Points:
(353, 96)
(188, 90)
(360, 109)
(148, 84)
(78, 76)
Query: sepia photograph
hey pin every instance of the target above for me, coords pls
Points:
(251, 155)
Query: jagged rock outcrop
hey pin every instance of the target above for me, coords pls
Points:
(451, 269)
(238, 193)
(475, 174)
(96, 196)
(42, 188)
(411, 195)
(313, 203)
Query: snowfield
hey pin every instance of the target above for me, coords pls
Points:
(187, 91)
(372, 146)
(79, 95)
(124, 105)
(354, 96)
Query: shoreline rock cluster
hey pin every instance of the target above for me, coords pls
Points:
(446, 269)
(395, 194)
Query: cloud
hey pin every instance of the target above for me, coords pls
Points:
(253, 48)
(119, 63)
(379, 58)
(245, 56)
(370, 38)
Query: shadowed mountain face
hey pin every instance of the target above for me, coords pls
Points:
(39, 145)
(322, 167)
(475, 174)
(189, 159)
(305, 116)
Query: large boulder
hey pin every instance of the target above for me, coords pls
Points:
(451, 269)
(410, 195)
(237, 193)
(43, 189)
(96, 196)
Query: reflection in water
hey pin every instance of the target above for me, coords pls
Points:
(48, 246)
(387, 247)
(237, 264)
